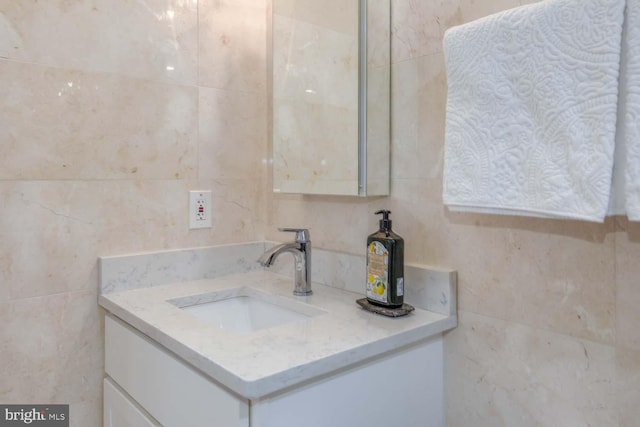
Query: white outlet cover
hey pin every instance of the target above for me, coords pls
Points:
(199, 209)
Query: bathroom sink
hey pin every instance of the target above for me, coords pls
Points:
(245, 310)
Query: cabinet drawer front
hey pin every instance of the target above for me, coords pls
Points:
(166, 387)
(120, 411)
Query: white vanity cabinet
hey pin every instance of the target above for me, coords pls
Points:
(147, 385)
(121, 411)
(169, 390)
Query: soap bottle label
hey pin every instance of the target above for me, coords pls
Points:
(377, 272)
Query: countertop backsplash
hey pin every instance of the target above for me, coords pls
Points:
(429, 288)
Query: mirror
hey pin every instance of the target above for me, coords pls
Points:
(331, 96)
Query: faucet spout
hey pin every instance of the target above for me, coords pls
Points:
(301, 251)
(269, 257)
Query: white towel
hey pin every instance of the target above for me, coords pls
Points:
(625, 188)
(630, 107)
(531, 110)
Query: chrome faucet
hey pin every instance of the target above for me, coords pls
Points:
(301, 250)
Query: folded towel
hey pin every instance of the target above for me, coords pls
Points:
(625, 185)
(629, 108)
(531, 110)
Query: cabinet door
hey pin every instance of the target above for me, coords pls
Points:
(404, 388)
(120, 411)
(168, 389)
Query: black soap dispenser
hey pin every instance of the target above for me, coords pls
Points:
(385, 265)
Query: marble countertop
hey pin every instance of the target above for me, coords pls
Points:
(270, 360)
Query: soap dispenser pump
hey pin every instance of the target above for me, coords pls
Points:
(385, 265)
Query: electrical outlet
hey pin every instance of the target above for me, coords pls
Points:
(199, 209)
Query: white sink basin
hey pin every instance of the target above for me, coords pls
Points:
(245, 310)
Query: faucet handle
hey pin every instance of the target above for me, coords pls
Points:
(302, 234)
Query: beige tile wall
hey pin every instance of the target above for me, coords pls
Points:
(549, 309)
(113, 110)
(110, 111)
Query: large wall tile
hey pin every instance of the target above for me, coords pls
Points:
(49, 237)
(51, 349)
(416, 218)
(232, 44)
(463, 11)
(418, 117)
(628, 386)
(238, 211)
(550, 274)
(59, 124)
(6, 267)
(628, 284)
(337, 15)
(153, 39)
(86, 413)
(152, 215)
(133, 212)
(418, 26)
(232, 134)
(53, 232)
(503, 374)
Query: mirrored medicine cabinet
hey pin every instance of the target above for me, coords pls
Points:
(331, 96)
